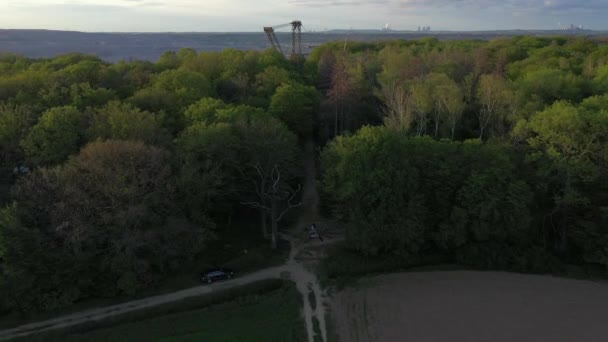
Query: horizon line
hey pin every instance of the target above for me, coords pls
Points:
(314, 31)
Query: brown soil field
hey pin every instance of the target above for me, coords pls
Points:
(471, 306)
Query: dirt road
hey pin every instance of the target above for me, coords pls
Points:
(297, 273)
(105, 312)
(305, 280)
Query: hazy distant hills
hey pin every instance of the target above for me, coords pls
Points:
(149, 46)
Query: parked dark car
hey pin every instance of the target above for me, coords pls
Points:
(217, 274)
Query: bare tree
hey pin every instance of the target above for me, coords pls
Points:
(451, 98)
(275, 198)
(493, 95)
(398, 113)
(422, 103)
(341, 94)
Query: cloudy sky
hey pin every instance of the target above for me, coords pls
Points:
(250, 15)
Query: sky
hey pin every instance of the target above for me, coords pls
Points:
(251, 15)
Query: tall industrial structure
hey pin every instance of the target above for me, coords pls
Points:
(296, 37)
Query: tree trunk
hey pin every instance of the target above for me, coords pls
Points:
(263, 223)
(341, 121)
(453, 129)
(436, 128)
(336, 120)
(420, 126)
(275, 228)
(565, 215)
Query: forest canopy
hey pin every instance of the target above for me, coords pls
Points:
(115, 175)
(494, 154)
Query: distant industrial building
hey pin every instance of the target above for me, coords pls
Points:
(424, 29)
(573, 27)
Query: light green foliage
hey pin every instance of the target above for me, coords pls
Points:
(422, 102)
(451, 100)
(22, 87)
(440, 97)
(600, 81)
(168, 60)
(495, 97)
(15, 123)
(296, 105)
(83, 96)
(574, 143)
(57, 134)
(126, 78)
(119, 121)
(87, 70)
(270, 79)
(239, 113)
(574, 137)
(154, 100)
(80, 95)
(204, 111)
(550, 85)
(187, 86)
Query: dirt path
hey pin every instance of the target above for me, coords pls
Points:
(105, 312)
(308, 285)
(306, 281)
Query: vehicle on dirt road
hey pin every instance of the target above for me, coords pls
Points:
(213, 275)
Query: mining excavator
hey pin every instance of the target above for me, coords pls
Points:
(296, 37)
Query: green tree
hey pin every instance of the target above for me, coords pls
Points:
(58, 134)
(569, 147)
(120, 121)
(204, 111)
(209, 181)
(493, 95)
(422, 102)
(187, 86)
(269, 156)
(270, 79)
(15, 123)
(403, 197)
(155, 100)
(297, 106)
(84, 96)
(438, 84)
(59, 247)
(398, 111)
(451, 100)
(246, 113)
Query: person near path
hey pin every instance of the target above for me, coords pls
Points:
(314, 233)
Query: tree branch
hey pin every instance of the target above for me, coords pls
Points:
(256, 205)
(289, 204)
